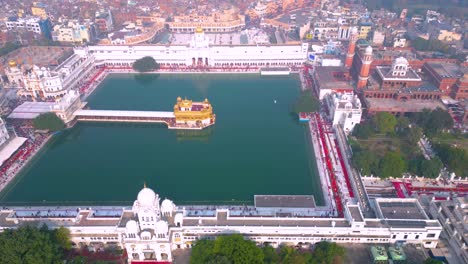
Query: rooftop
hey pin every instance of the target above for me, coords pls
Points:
(391, 105)
(287, 201)
(446, 70)
(403, 209)
(386, 73)
(333, 78)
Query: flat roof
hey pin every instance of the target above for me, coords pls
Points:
(285, 201)
(355, 213)
(30, 110)
(119, 113)
(385, 73)
(402, 209)
(327, 78)
(446, 70)
(392, 105)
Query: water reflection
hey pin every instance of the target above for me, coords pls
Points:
(198, 135)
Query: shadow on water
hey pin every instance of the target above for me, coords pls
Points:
(195, 135)
(145, 79)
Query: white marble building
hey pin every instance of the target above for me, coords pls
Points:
(151, 229)
(344, 109)
(199, 51)
(46, 83)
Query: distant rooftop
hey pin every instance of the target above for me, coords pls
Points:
(332, 78)
(446, 70)
(401, 209)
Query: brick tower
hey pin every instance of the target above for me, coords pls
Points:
(366, 60)
(351, 47)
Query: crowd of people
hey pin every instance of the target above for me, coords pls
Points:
(34, 142)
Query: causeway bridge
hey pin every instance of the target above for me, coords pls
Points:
(167, 118)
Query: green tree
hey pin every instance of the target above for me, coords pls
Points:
(48, 121)
(62, 237)
(306, 103)
(439, 120)
(385, 122)
(29, 245)
(146, 64)
(328, 253)
(232, 248)
(431, 168)
(454, 158)
(432, 261)
(392, 164)
(365, 161)
(270, 256)
(363, 130)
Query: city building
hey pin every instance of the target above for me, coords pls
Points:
(64, 108)
(32, 24)
(344, 109)
(364, 30)
(151, 229)
(453, 214)
(199, 52)
(71, 32)
(42, 82)
(329, 79)
(103, 20)
(226, 21)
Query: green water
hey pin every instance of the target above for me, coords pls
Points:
(255, 147)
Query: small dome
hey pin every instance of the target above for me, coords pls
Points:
(146, 197)
(369, 50)
(131, 226)
(167, 206)
(12, 63)
(354, 30)
(199, 30)
(401, 60)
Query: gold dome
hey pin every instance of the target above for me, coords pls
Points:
(12, 63)
(199, 30)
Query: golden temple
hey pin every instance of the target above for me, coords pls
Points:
(193, 114)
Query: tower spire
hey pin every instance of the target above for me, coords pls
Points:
(144, 184)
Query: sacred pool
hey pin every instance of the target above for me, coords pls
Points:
(256, 146)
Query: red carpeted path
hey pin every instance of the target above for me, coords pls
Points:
(334, 185)
(345, 171)
(398, 189)
(149, 262)
(459, 188)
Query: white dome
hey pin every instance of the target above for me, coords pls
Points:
(354, 30)
(131, 226)
(167, 206)
(146, 197)
(369, 50)
(401, 60)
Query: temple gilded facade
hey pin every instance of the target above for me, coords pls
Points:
(193, 114)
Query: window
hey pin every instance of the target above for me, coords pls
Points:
(416, 237)
(394, 236)
(405, 237)
(430, 235)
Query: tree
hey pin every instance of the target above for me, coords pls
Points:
(62, 237)
(439, 119)
(392, 164)
(385, 122)
(431, 168)
(48, 121)
(227, 249)
(363, 130)
(306, 103)
(454, 158)
(365, 161)
(328, 253)
(145, 64)
(29, 245)
(432, 261)
(270, 256)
